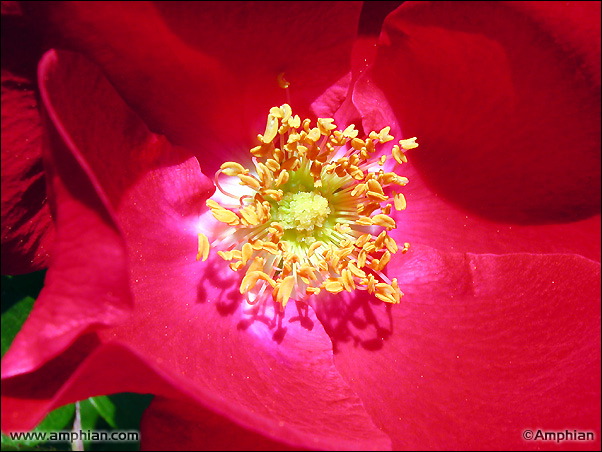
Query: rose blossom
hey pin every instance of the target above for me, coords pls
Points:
(478, 341)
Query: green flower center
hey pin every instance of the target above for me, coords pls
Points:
(302, 211)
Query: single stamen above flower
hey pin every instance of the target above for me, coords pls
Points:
(316, 213)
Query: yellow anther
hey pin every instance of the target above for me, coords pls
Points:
(326, 125)
(235, 266)
(287, 112)
(271, 129)
(225, 255)
(386, 297)
(384, 136)
(251, 278)
(350, 131)
(276, 228)
(256, 264)
(398, 155)
(212, 204)
(364, 221)
(265, 175)
(247, 252)
(359, 189)
(282, 178)
(203, 248)
(249, 181)
(276, 112)
(388, 293)
(233, 169)
(380, 240)
(314, 134)
(284, 290)
(276, 195)
(314, 246)
(362, 240)
(261, 150)
(290, 164)
(294, 122)
(342, 228)
(382, 160)
(270, 247)
(282, 82)
(226, 216)
(307, 272)
(374, 186)
(361, 258)
(406, 247)
(358, 144)
(356, 271)
(384, 260)
(399, 201)
(410, 143)
(384, 220)
(257, 244)
(249, 215)
(347, 280)
(333, 285)
(312, 290)
(367, 209)
(376, 196)
(273, 165)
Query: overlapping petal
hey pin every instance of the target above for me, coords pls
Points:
(507, 99)
(481, 348)
(205, 73)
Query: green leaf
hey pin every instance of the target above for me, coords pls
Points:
(12, 320)
(96, 407)
(114, 412)
(18, 296)
(14, 288)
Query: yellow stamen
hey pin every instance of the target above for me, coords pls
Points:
(282, 83)
(317, 199)
(203, 248)
(400, 201)
(410, 143)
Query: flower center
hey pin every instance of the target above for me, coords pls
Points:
(302, 211)
(316, 215)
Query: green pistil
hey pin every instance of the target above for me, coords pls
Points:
(303, 211)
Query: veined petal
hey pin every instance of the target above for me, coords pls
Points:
(519, 333)
(203, 74)
(504, 98)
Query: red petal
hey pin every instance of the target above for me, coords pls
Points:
(433, 221)
(205, 74)
(503, 101)
(26, 224)
(481, 348)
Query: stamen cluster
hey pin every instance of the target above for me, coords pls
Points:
(317, 213)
